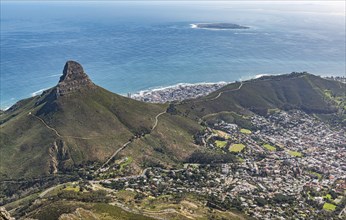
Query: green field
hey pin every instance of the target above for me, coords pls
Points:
(245, 131)
(294, 153)
(329, 207)
(221, 134)
(328, 196)
(72, 188)
(269, 147)
(236, 147)
(221, 144)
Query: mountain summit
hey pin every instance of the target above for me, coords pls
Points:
(73, 78)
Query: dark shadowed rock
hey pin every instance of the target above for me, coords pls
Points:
(74, 78)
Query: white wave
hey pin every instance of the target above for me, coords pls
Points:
(6, 107)
(54, 75)
(38, 92)
(260, 75)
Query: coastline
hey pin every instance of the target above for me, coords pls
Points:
(180, 91)
(177, 92)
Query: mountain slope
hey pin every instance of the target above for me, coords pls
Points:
(72, 124)
(78, 124)
(294, 91)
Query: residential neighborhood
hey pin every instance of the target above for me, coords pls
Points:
(292, 165)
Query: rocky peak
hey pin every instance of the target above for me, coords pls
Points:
(74, 78)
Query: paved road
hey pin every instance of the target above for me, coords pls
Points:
(113, 155)
(42, 194)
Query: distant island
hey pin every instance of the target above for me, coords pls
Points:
(221, 26)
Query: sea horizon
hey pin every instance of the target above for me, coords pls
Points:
(160, 48)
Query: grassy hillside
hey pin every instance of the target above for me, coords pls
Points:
(294, 91)
(45, 134)
(52, 134)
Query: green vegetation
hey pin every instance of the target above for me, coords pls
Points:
(72, 188)
(83, 210)
(126, 163)
(269, 147)
(113, 212)
(229, 117)
(329, 207)
(294, 91)
(236, 147)
(241, 160)
(209, 157)
(22, 202)
(221, 134)
(319, 176)
(295, 153)
(328, 196)
(280, 198)
(245, 131)
(221, 144)
(90, 125)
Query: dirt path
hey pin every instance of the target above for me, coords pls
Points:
(45, 124)
(129, 142)
(42, 194)
(220, 93)
(56, 132)
(157, 119)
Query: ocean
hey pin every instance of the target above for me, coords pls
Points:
(127, 47)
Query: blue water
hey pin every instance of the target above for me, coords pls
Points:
(132, 46)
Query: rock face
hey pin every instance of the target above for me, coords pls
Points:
(4, 215)
(74, 78)
(59, 156)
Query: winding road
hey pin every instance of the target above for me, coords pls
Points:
(220, 93)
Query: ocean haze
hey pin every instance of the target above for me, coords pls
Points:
(132, 46)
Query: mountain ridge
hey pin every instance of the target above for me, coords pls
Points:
(77, 123)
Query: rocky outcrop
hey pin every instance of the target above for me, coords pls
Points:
(59, 155)
(4, 215)
(73, 79)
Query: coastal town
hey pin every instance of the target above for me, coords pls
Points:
(289, 165)
(177, 92)
(184, 91)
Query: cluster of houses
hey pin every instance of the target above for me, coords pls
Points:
(177, 93)
(292, 166)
